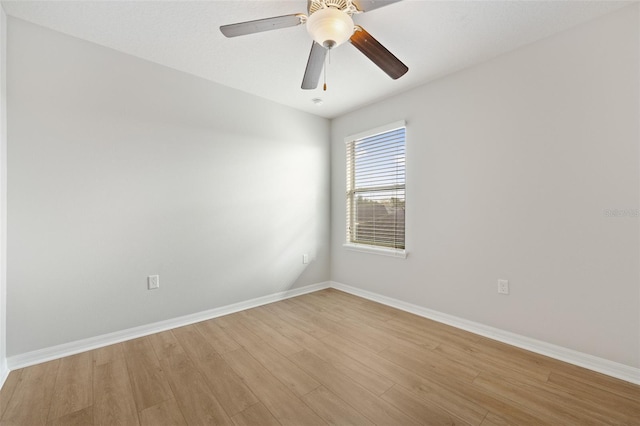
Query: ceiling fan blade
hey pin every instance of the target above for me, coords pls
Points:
(367, 5)
(378, 54)
(314, 66)
(259, 25)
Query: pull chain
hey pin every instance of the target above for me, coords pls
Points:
(327, 58)
(325, 72)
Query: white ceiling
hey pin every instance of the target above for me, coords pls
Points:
(433, 38)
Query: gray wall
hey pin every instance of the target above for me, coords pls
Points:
(510, 168)
(3, 196)
(120, 168)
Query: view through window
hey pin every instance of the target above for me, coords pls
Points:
(376, 189)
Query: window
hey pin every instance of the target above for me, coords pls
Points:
(376, 190)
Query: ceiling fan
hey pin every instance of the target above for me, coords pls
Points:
(330, 24)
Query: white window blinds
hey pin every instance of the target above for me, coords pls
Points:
(376, 189)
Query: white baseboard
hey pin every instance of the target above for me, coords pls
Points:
(601, 365)
(72, 348)
(610, 368)
(4, 372)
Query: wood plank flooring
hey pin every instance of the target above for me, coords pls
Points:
(322, 358)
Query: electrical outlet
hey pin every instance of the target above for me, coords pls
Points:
(503, 286)
(305, 258)
(153, 282)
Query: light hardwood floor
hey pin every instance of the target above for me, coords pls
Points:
(322, 358)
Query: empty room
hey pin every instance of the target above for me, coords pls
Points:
(322, 212)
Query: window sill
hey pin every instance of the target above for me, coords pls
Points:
(376, 250)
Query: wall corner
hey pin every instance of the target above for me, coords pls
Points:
(4, 372)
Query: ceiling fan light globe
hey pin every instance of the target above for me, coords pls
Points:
(330, 27)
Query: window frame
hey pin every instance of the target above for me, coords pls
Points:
(371, 248)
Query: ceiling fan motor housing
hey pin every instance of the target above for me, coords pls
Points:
(330, 23)
(346, 5)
